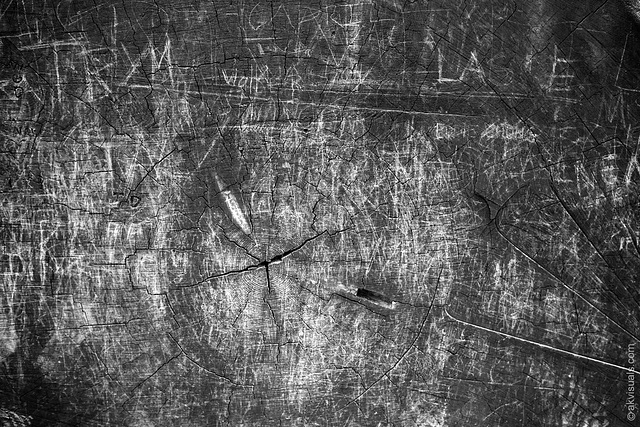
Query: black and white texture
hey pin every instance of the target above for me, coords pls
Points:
(319, 213)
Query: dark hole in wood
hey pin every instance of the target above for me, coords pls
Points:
(373, 296)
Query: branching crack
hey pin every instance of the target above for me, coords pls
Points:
(192, 360)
